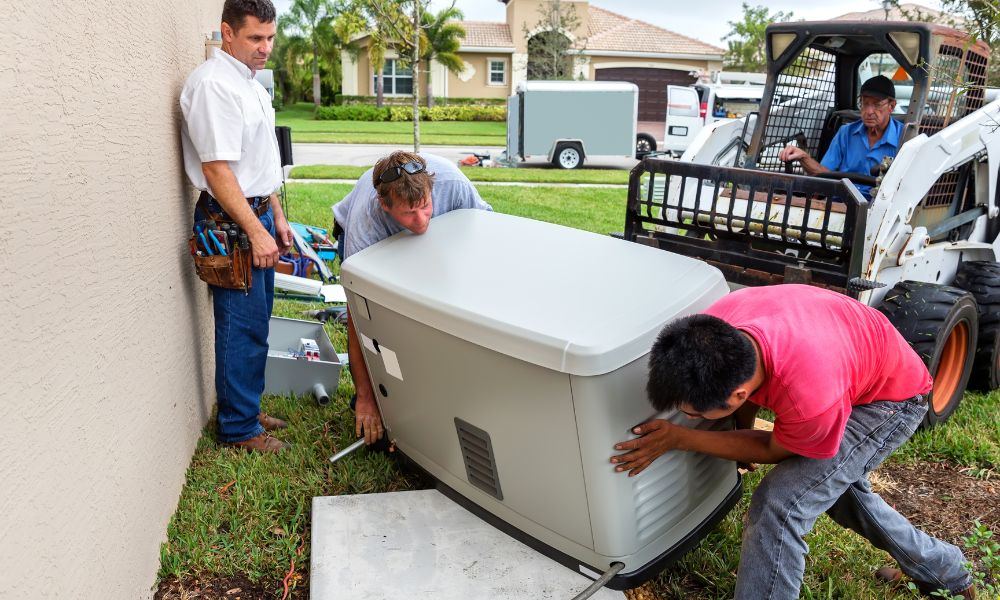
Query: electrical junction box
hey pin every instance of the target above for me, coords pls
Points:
(509, 355)
(288, 368)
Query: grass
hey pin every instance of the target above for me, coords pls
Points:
(450, 133)
(242, 514)
(479, 174)
(600, 210)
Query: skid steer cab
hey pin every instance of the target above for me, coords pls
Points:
(923, 248)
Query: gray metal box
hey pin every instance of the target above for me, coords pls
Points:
(509, 355)
(284, 373)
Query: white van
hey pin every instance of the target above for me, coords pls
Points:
(691, 108)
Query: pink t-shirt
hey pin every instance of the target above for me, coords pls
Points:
(823, 353)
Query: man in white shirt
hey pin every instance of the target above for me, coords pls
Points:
(231, 155)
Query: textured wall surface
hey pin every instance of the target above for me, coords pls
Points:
(106, 367)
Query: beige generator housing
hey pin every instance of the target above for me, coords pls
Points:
(509, 355)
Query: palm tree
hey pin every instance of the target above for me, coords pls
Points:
(310, 18)
(440, 42)
(385, 21)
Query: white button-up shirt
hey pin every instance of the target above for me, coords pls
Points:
(228, 116)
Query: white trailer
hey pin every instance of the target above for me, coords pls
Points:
(567, 122)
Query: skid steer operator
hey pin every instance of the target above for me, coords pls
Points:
(403, 191)
(860, 146)
(844, 396)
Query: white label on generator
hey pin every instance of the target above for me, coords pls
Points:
(391, 363)
(368, 344)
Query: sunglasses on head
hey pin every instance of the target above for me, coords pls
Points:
(393, 173)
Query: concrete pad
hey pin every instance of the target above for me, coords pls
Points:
(421, 545)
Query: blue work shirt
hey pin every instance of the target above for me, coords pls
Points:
(849, 150)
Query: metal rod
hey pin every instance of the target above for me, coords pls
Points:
(606, 577)
(347, 450)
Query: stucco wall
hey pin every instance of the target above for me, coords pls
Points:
(527, 14)
(476, 75)
(106, 364)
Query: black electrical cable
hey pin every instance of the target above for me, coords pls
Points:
(603, 579)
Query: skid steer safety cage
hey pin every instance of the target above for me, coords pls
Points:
(755, 226)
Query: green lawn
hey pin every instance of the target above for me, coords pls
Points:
(528, 175)
(247, 515)
(452, 133)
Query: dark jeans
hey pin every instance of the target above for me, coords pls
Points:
(241, 327)
(797, 490)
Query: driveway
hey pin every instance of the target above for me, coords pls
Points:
(367, 154)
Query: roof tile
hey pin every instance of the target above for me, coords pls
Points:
(486, 34)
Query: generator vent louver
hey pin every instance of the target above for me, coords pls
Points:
(477, 452)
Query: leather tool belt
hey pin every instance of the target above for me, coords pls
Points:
(222, 253)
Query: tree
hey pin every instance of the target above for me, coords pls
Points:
(746, 38)
(408, 36)
(379, 16)
(441, 40)
(981, 18)
(311, 19)
(550, 46)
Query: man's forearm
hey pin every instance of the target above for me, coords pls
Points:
(279, 214)
(226, 190)
(741, 445)
(359, 370)
(812, 166)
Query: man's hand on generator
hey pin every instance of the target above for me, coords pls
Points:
(656, 437)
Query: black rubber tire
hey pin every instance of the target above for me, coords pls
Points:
(982, 279)
(644, 144)
(940, 323)
(567, 162)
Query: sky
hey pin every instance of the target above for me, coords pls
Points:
(706, 20)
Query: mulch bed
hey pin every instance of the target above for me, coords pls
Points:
(226, 588)
(940, 498)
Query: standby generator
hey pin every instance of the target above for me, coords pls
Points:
(508, 356)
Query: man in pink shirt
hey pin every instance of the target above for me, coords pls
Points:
(846, 390)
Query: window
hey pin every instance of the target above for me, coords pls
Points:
(497, 71)
(397, 80)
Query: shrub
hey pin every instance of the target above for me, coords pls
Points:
(449, 113)
(408, 100)
(353, 112)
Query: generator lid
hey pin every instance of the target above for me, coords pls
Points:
(561, 298)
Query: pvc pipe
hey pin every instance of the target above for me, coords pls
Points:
(322, 398)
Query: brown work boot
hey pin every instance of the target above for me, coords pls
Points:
(261, 443)
(894, 576)
(271, 423)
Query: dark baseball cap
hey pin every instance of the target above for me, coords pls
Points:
(879, 86)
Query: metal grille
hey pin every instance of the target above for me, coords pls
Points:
(748, 220)
(477, 453)
(957, 81)
(804, 97)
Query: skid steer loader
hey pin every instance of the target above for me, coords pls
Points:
(923, 249)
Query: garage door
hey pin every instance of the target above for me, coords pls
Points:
(652, 87)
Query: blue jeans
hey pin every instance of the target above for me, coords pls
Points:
(797, 490)
(241, 327)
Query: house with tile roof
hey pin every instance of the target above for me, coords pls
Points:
(606, 46)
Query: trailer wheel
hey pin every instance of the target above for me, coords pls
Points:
(568, 156)
(982, 279)
(644, 144)
(940, 323)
